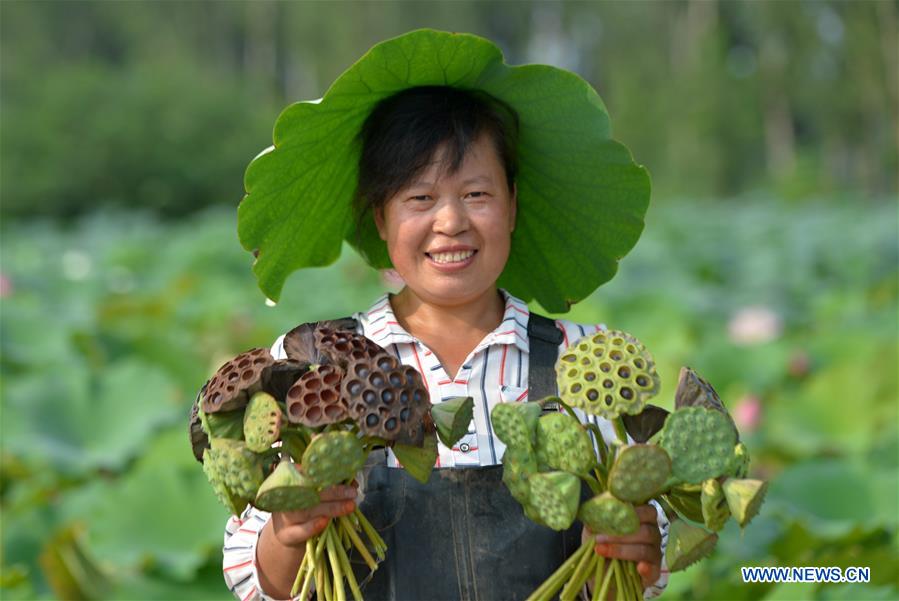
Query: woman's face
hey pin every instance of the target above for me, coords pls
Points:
(449, 235)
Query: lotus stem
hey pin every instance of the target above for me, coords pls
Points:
(620, 430)
(336, 568)
(348, 572)
(598, 575)
(619, 581)
(357, 542)
(372, 534)
(581, 573)
(546, 590)
(300, 571)
(310, 567)
(606, 581)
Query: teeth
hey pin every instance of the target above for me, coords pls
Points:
(452, 257)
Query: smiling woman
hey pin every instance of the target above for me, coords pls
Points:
(437, 192)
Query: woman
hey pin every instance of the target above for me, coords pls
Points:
(437, 178)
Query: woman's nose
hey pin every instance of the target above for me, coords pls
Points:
(451, 218)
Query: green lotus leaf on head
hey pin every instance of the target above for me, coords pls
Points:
(581, 197)
(452, 418)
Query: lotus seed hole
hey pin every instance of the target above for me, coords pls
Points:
(377, 380)
(616, 356)
(572, 373)
(396, 380)
(370, 397)
(569, 358)
(259, 361)
(605, 367)
(586, 361)
(361, 371)
(244, 363)
(404, 397)
(233, 376)
(404, 414)
(329, 396)
(391, 424)
(333, 411)
(626, 393)
(639, 363)
(229, 388)
(371, 420)
(417, 396)
(384, 364)
(624, 372)
(608, 384)
(617, 341)
(642, 381)
(314, 413)
(631, 349)
(357, 355)
(575, 388)
(592, 394)
(583, 346)
(313, 384)
(608, 400)
(387, 396)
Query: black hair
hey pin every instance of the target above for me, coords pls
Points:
(403, 132)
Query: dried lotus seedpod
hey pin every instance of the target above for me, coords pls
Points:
(315, 399)
(286, 489)
(199, 441)
(687, 544)
(714, 505)
(300, 343)
(281, 375)
(640, 471)
(387, 399)
(564, 443)
(700, 443)
(344, 346)
(236, 381)
(604, 514)
(333, 457)
(262, 422)
(608, 374)
(555, 496)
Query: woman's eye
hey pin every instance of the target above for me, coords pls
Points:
(420, 197)
(477, 194)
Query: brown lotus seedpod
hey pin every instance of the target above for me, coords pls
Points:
(281, 375)
(344, 346)
(315, 399)
(199, 441)
(300, 343)
(236, 381)
(387, 399)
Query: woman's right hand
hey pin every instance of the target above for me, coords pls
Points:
(294, 528)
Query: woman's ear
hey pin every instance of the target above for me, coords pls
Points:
(379, 222)
(513, 207)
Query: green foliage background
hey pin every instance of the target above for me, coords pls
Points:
(124, 132)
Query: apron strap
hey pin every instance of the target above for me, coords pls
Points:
(543, 344)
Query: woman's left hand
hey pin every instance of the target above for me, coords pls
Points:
(644, 546)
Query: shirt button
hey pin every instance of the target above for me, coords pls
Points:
(464, 447)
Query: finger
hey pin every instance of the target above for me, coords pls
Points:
(340, 492)
(630, 552)
(647, 514)
(649, 572)
(295, 535)
(646, 534)
(328, 509)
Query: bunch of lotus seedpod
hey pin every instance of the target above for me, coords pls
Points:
(695, 468)
(274, 433)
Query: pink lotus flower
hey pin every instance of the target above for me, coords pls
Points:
(747, 413)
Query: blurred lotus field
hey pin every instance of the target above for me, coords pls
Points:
(110, 324)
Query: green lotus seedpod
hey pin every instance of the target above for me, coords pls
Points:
(518, 467)
(565, 443)
(687, 500)
(714, 506)
(515, 423)
(532, 514)
(687, 544)
(608, 374)
(693, 391)
(744, 497)
(640, 471)
(261, 422)
(452, 418)
(215, 474)
(418, 461)
(555, 496)
(700, 442)
(739, 466)
(236, 466)
(333, 457)
(286, 489)
(604, 514)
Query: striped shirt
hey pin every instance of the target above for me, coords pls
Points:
(496, 371)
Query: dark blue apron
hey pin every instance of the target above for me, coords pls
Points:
(462, 535)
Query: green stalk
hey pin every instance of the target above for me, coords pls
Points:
(607, 580)
(372, 534)
(301, 570)
(333, 541)
(307, 581)
(619, 582)
(597, 578)
(549, 587)
(620, 430)
(573, 589)
(357, 542)
(638, 582)
(348, 571)
(593, 483)
(600, 442)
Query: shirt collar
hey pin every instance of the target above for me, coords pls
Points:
(380, 324)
